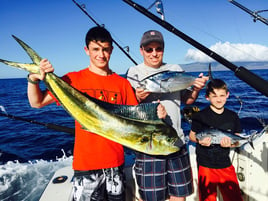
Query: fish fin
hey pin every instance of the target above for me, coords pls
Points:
(84, 128)
(252, 138)
(210, 72)
(30, 67)
(251, 144)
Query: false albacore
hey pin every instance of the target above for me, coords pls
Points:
(167, 81)
(238, 140)
(142, 134)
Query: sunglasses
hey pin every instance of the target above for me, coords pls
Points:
(150, 50)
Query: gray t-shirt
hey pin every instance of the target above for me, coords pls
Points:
(171, 101)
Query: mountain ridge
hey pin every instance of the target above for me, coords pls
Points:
(216, 66)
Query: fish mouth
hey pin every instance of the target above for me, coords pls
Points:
(162, 145)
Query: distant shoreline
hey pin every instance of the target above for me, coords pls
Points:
(215, 66)
(203, 67)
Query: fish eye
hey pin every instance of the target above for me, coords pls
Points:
(145, 139)
(169, 139)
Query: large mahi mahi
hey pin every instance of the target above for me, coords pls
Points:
(145, 135)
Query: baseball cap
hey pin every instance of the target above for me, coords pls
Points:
(151, 36)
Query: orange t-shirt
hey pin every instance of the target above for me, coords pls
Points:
(92, 151)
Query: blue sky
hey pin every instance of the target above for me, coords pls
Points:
(56, 30)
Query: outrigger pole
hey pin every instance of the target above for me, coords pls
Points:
(241, 72)
(122, 49)
(254, 14)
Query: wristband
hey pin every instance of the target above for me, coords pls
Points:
(31, 81)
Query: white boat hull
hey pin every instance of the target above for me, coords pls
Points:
(251, 167)
(61, 191)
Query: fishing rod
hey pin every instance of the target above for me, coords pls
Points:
(48, 125)
(255, 14)
(122, 49)
(241, 72)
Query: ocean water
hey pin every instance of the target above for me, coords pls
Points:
(31, 150)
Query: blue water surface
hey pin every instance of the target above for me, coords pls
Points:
(30, 153)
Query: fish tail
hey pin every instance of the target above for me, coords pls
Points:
(30, 67)
(251, 144)
(252, 138)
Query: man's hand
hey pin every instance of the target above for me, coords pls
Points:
(141, 94)
(161, 111)
(200, 82)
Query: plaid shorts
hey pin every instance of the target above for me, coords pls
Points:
(99, 185)
(162, 176)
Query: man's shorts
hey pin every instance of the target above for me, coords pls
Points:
(158, 177)
(99, 185)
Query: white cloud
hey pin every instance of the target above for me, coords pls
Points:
(231, 52)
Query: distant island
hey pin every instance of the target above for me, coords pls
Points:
(215, 66)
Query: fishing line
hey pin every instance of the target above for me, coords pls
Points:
(215, 38)
(48, 125)
(254, 14)
(260, 117)
(241, 72)
(243, 106)
(232, 45)
(83, 9)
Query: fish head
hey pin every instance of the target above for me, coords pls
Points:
(160, 141)
(153, 144)
(162, 144)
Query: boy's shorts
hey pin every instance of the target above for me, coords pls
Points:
(99, 185)
(158, 177)
(209, 179)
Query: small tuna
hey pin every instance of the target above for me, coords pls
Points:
(216, 136)
(167, 81)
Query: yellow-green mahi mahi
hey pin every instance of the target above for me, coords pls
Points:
(151, 137)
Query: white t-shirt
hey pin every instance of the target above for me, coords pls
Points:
(171, 101)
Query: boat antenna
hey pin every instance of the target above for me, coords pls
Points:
(241, 72)
(83, 8)
(254, 14)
